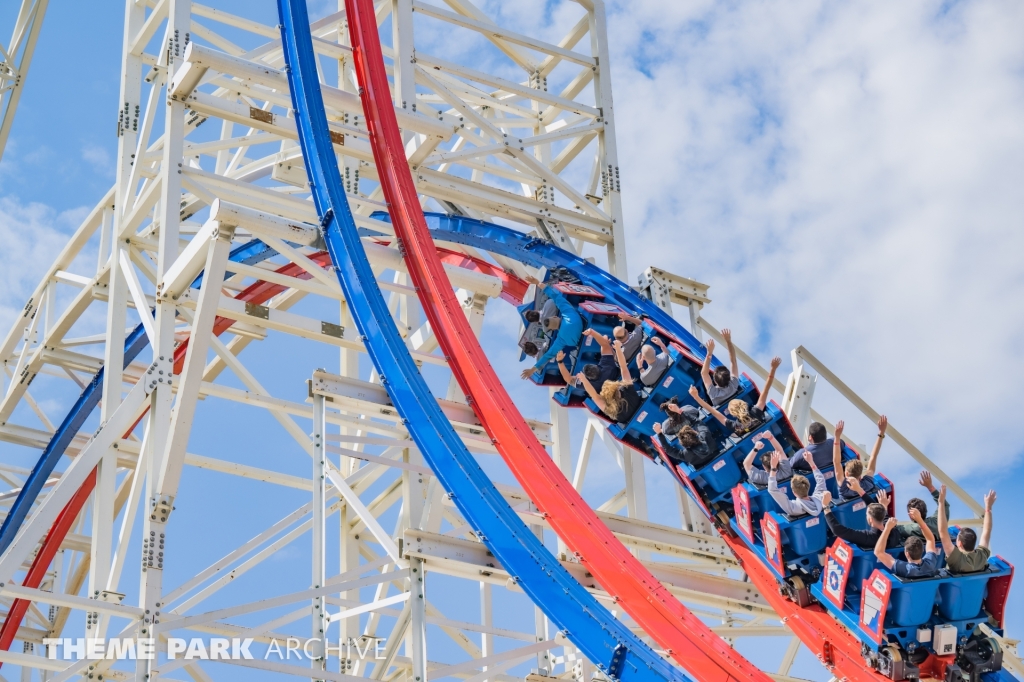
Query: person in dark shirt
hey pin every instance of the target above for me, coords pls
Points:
(606, 369)
(968, 554)
(925, 479)
(697, 447)
(819, 446)
(865, 539)
(922, 558)
(619, 400)
(678, 416)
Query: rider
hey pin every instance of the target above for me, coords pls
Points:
(724, 383)
(760, 476)
(969, 554)
(854, 480)
(865, 539)
(804, 503)
(922, 559)
(569, 327)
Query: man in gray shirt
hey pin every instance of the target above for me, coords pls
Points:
(630, 340)
(652, 366)
(783, 472)
(801, 487)
(724, 382)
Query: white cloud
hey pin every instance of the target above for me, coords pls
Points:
(846, 177)
(32, 235)
(99, 158)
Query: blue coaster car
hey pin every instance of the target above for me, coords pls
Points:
(880, 608)
(576, 294)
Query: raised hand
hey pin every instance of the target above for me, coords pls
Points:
(710, 345)
(883, 424)
(990, 499)
(758, 445)
(776, 458)
(657, 340)
(840, 425)
(855, 485)
(776, 361)
(617, 344)
(942, 494)
(560, 356)
(727, 335)
(527, 372)
(883, 498)
(925, 479)
(890, 523)
(826, 499)
(693, 392)
(915, 515)
(657, 427)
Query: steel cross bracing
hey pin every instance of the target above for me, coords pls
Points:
(526, 137)
(15, 60)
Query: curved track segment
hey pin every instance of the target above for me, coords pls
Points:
(605, 640)
(835, 647)
(61, 439)
(688, 639)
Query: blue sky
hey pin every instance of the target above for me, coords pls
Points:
(846, 177)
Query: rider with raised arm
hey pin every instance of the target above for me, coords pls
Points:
(724, 382)
(652, 365)
(631, 340)
(805, 503)
(742, 418)
(969, 554)
(922, 559)
(865, 539)
(925, 479)
(617, 399)
(853, 480)
(606, 369)
(760, 476)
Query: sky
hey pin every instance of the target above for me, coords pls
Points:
(845, 177)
